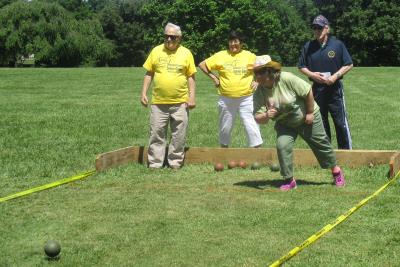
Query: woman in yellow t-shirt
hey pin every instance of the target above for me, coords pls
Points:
(234, 82)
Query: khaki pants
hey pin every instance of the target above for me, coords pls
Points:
(176, 115)
(315, 137)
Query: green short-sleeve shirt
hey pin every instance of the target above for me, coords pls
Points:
(288, 96)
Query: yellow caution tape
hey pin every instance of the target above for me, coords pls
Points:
(330, 226)
(47, 186)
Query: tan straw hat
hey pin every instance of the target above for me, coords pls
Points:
(266, 61)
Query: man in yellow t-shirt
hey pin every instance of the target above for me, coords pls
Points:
(172, 68)
(234, 83)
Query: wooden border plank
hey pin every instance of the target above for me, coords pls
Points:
(121, 156)
(357, 158)
(394, 165)
(302, 157)
(224, 155)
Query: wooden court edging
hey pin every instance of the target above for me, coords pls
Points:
(394, 164)
(302, 157)
(121, 156)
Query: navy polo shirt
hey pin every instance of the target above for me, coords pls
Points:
(329, 58)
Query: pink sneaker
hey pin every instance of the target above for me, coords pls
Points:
(339, 178)
(291, 185)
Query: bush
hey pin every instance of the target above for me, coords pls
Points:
(52, 34)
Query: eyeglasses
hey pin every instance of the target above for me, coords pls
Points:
(172, 37)
(317, 28)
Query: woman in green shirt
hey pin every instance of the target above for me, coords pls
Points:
(288, 100)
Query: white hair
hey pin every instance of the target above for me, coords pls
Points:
(175, 27)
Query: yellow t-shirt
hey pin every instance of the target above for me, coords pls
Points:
(171, 71)
(234, 75)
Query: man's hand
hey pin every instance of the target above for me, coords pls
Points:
(332, 79)
(319, 78)
(191, 104)
(148, 77)
(309, 118)
(144, 100)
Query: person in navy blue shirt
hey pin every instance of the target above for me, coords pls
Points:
(325, 60)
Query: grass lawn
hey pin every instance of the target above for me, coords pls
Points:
(55, 121)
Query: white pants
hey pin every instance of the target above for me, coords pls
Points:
(176, 116)
(228, 108)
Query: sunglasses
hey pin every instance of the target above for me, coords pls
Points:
(172, 37)
(317, 28)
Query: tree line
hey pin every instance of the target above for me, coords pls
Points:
(70, 33)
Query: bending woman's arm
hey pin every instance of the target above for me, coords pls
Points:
(309, 108)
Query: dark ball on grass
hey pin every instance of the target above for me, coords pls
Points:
(274, 167)
(255, 166)
(52, 248)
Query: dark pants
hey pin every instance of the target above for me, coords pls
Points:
(330, 99)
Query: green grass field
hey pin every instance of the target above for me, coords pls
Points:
(55, 121)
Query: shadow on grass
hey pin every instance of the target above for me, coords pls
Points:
(261, 184)
(52, 259)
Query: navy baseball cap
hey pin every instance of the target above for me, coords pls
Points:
(321, 21)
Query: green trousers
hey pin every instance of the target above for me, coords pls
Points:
(313, 134)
